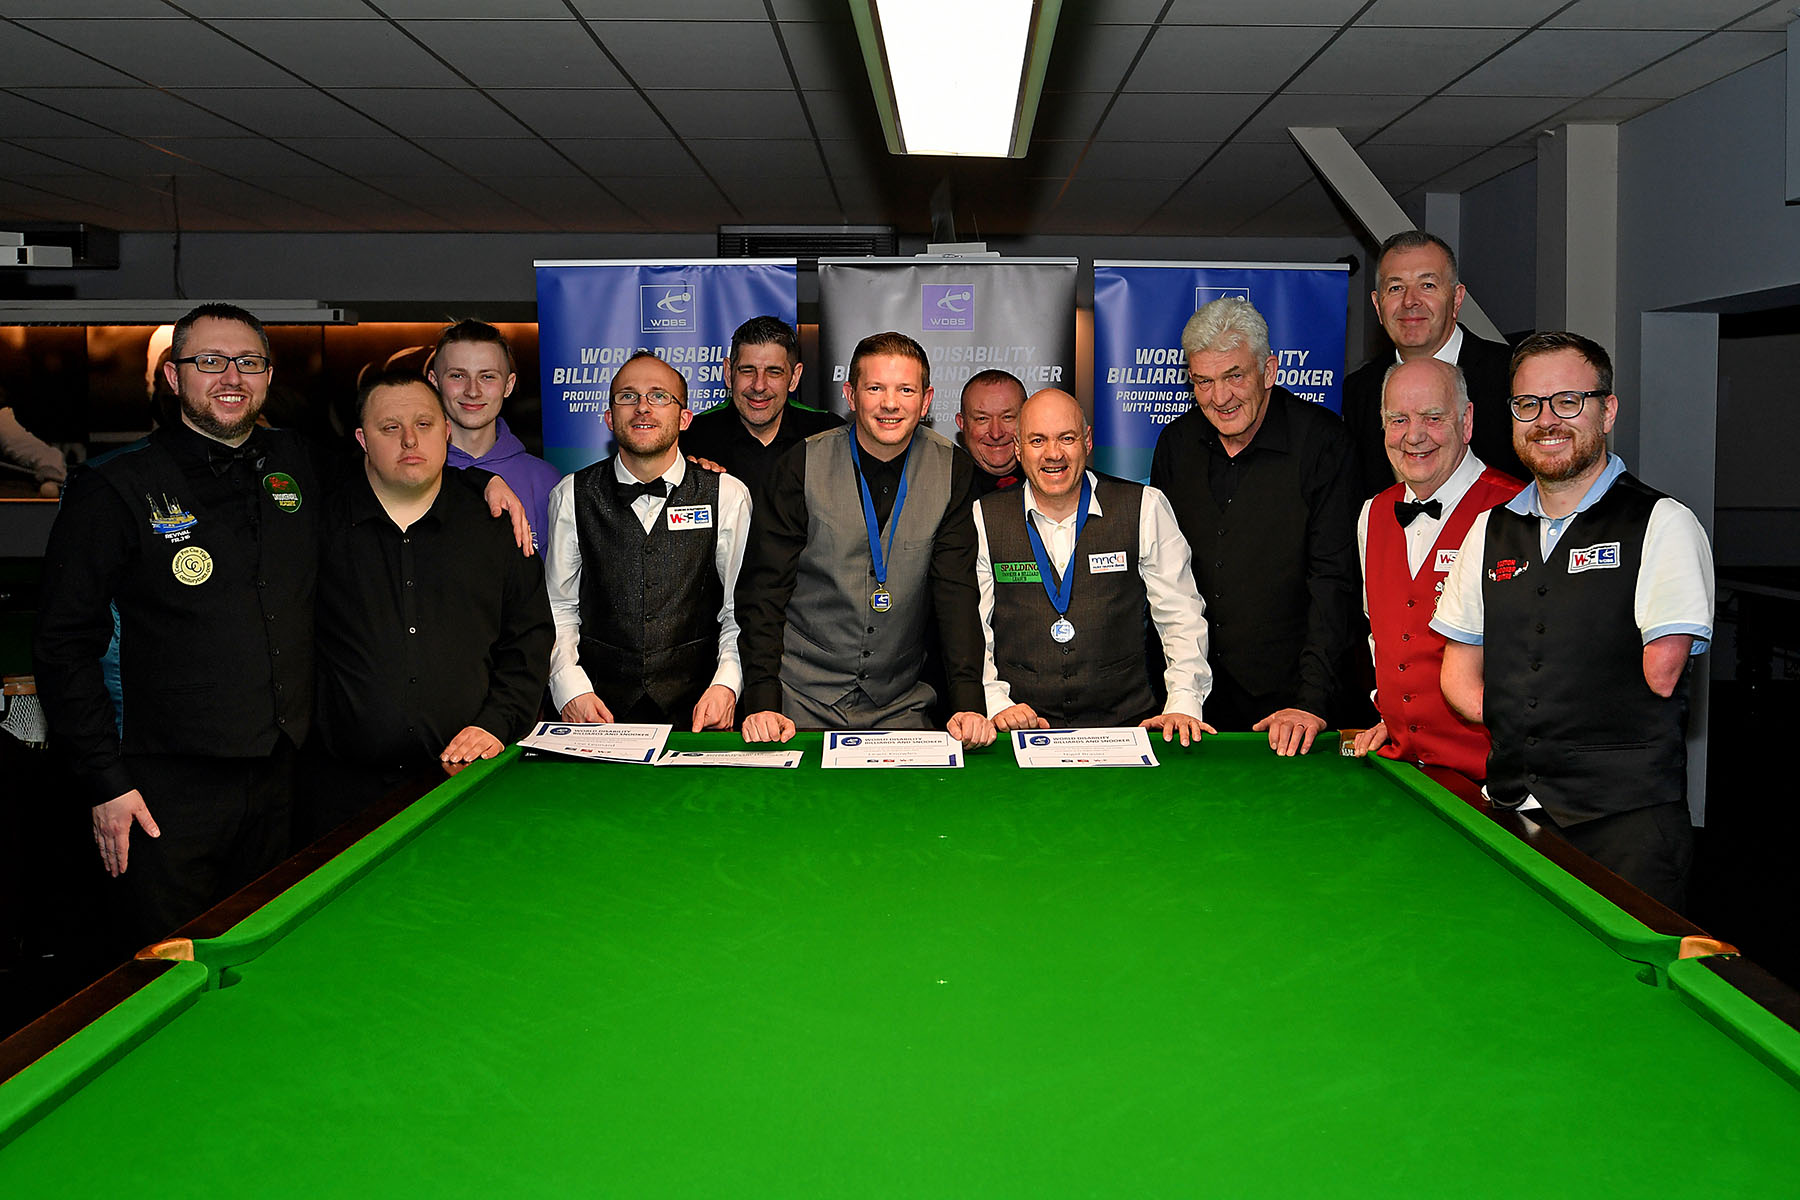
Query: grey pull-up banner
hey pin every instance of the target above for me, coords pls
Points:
(1017, 314)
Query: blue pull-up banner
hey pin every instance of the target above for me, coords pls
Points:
(1140, 373)
(592, 316)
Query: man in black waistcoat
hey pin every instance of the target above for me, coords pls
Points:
(1260, 484)
(174, 641)
(648, 632)
(1417, 296)
(1066, 564)
(1571, 614)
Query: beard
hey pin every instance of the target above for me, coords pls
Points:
(201, 416)
(1586, 448)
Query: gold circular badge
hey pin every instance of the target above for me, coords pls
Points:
(192, 565)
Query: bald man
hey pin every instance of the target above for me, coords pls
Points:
(1408, 537)
(1065, 565)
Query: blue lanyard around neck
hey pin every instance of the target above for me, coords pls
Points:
(1061, 592)
(878, 555)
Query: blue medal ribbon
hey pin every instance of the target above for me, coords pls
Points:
(877, 553)
(1059, 593)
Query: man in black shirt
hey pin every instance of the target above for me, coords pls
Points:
(1260, 484)
(174, 640)
(989, 424)
(746, 436)
(434, 631)
(862, 541)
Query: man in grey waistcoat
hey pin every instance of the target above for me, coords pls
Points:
(648, 633)
(862, 544)
(1066, 566)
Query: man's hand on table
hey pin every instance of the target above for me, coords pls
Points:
(587, 709)
(716, 707)
(1019, 716)
(767, 727)
(472, 743)
(112, 828)
(1370, 740)
(1291, 730)
(1172, 724)
(972, 729)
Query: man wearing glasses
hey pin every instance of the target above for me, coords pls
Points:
(650, 635)
(1571, 614)
(174, 646)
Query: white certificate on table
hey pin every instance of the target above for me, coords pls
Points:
(607, 742)
(1083, 748)
(786, 759)
(891, 748)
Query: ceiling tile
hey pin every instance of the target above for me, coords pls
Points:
(729, 114)
(1653, 14)
(1605, 109)
(581, 113)
(603, 157)
(1482, 168)
(1143, 160)
(1356, 116)
(334, 53)
(1096, 60)
(496, 53)
(307, 10)
(168, 53)
(1567, 62)
(245, 158)
(838, 115)
(40, 156)
(826, 55)
(1308, 211)
(1223, 58)
(405, 10)
(773, 158)
(1263, 12)
(136, 111)
(283, 112)
(372, 156)
(20, 115)
(107, 155)
(1403, 167)
(1177, 116)
(1380, 61)
(673, 54)
(1069, 115)
(1123, 12)
(1698, 65)
(28, 59)
(20, 10)
(1460, 120)
(566, 197)
(691, 10)
(432, 112)
(1460, 14)
(500, 156)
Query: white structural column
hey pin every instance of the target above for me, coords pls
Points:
(1578, 231)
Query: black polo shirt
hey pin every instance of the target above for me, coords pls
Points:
(719, 434)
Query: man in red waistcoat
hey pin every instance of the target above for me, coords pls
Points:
(1408, 537)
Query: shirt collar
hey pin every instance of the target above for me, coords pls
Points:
(1044, 518)
(364, 505)
(1526, 503)
(1272, 434)
(674, 475)
(1450, 351)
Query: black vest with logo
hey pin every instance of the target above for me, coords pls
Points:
(1100, 677)
(215, 612)
(649, 601)
(1573, 721)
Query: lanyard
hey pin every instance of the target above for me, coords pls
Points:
(877, 554)
(1059, 593)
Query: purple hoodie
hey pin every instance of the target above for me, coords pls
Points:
(526, 474)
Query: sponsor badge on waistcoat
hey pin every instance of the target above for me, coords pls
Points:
(1444, 561)
(1106, 564)
(1603, 557)
(1020, 572)
(192, 566)
(283, 490)
(1507, 568)
(690, 516)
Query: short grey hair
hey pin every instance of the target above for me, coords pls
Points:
(1227, 323)
(1459, 387)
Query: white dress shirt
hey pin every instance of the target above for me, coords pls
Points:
(1164, 564)
(562, 573)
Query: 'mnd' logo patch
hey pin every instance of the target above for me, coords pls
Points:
(1604, 556)
(694, 516)
(1106, 564)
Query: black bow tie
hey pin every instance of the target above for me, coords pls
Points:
(659, 488)
(221, 457)
(1404, 512)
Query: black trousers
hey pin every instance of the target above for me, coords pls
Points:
(224, 821)
(1649, 848)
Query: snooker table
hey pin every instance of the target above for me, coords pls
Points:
(1233, 975)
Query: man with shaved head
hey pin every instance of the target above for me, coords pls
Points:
(1408, 538)
(1066, 564)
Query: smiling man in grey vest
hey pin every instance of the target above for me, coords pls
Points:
(643, 559)
(1065, 566)
(862, 543)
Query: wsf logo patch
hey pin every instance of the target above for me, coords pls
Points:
(947, 306)
(667, 307)
(1445, 560)
(1602, 557)
(1204, 296)
(694, 516)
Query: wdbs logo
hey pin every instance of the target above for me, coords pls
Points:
(948, 306)
(667, 307)
(1204, 296)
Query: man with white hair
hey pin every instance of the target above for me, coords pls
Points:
(1261, 486)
